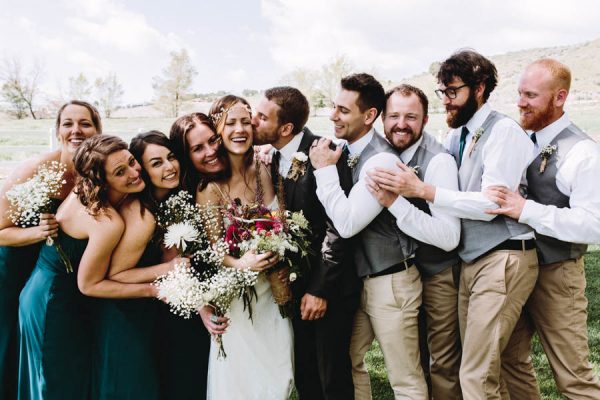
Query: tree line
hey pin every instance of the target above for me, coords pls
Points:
(20, 86)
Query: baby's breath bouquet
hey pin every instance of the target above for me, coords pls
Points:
(35, 196)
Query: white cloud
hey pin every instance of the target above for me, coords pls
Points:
(400, 38)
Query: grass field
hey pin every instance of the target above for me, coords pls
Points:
(381, 388)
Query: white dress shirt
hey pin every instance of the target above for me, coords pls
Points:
(352, 214)
(577, 177)
(506, 156)
(287, 151)
(439, 229)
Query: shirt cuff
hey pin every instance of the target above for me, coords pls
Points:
(399, 208)
(443, 197)
(531, 212)
(326, 175)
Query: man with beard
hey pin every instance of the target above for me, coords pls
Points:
(384, 254)
(563, 206)
(404, 118)
(326, 296)
(499, 266)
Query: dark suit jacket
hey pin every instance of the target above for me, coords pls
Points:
(332, 271)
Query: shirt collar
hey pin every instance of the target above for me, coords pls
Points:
(409, 153)
(478, 118)
(289, 149)
(545, 135)
(358, 146)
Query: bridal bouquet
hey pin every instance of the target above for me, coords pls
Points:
(36, 196)
(256, 227)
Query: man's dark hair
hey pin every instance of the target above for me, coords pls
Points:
(406, 90)
(293, 106)
(472, 68)
(370, 91)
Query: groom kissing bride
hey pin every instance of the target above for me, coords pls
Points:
(325, 298)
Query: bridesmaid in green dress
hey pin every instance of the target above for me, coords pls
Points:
(19, 247)
(54, 310)
(185, 343)
(126, 355)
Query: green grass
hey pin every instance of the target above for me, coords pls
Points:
(381, 388)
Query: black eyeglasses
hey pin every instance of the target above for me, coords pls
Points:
(449, 92)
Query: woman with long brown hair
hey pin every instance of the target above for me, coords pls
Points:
(54, 310)
(20, 246)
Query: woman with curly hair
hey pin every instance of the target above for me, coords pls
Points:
(19, 246)
(54, 319)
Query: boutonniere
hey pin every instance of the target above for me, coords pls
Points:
(353, 160)
(478, 132)
(416, 169)
(298, 168)
(546, 153)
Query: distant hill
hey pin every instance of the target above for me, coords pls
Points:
(583, 59)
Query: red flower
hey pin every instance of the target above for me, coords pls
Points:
(264, 225)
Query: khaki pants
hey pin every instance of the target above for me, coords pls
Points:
(388, 312)
(557, 310)
(440, 300)
(492, 293)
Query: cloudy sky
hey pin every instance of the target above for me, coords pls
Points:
(253, 43)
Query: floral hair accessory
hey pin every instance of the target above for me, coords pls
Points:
(546, 153)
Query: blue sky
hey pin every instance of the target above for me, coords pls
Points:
(252, 44)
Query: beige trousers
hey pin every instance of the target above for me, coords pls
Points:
(557, 310)
(440, 301)
(388, 312)
(492, 293)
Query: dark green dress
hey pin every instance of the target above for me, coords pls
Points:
(16, 264)
(125, 361)
(55, 356)
(183, 348)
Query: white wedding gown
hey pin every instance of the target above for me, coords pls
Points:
(259, 362)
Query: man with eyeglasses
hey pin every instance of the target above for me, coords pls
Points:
(499, 267)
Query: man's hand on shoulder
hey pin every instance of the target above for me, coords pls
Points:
(321, 155)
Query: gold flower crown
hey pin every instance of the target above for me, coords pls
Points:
(222, 112)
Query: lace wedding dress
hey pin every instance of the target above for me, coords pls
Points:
(259, 362)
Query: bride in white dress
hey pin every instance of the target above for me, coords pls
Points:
(259, 362)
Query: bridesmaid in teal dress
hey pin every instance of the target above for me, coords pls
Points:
(185, 343)
(127, 364)
(19, 247)
(54, 310)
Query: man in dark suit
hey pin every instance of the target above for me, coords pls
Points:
(327, 295)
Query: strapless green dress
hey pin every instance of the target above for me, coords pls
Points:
(125, 359)
(55, 329)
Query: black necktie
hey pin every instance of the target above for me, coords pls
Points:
(533, 138)
(346, 150)
(275, 165)
(461, 145)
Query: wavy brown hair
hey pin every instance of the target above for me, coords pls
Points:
(218, 115)
(91, 187)
(190, 179)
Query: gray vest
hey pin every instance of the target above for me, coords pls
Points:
(381, 244)
(479, 237)
(542, 189)
(432, 260)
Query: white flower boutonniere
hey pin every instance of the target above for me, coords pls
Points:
(478, 132)
(353, 160)
(416, 169)
(298, 168)
(546, 153)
